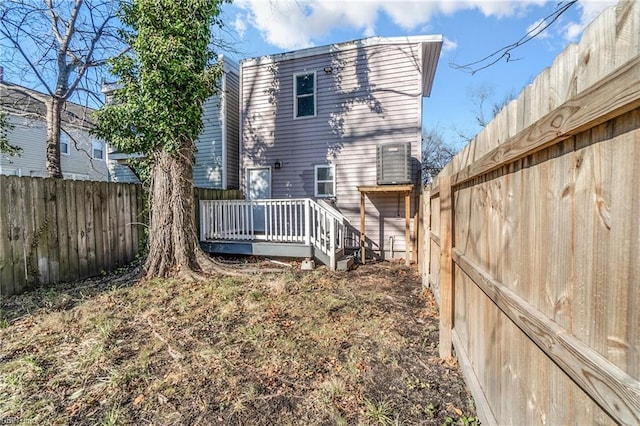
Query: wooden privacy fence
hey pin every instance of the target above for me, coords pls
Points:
(533, 241)
(54, 230)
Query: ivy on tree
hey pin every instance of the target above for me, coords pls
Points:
(157, 111)
(5, 126)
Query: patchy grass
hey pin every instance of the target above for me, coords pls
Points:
(321, 347)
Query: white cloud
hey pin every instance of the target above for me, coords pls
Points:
(589, 10)
(537, 29)
(240, 26)
(448, 45)
(409, 14)
(573, 31)
(294, 24)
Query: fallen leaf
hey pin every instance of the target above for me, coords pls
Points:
(139, 400)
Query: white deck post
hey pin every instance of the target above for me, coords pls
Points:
(307, 222)
(202, 221)
(332, 243)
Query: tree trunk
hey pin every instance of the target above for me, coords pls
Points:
(54, 110)
(173, 244)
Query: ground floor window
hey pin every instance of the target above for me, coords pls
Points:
(325, 181)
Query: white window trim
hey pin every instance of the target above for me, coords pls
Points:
(316, 181)
(103, 149)
(295, 96)
(64, 138)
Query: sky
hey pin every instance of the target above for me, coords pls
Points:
(472, 30)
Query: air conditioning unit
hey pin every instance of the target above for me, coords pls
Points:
(393, 163)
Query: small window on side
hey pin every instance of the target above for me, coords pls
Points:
(97, 151)
(325, 181)
(64, 144)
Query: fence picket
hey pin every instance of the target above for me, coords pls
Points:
(55, 214)
(6, 248)
(15, 211)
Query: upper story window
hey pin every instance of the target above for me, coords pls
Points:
(304, 89)
(325, 181)
(97, 150)
(64, 144)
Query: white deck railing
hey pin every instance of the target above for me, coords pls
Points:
(284, 220)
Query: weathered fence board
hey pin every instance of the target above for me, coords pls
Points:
(52, 220)
(545, 238)
(54, 230)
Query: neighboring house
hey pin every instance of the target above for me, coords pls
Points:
(217, 152)
(312, 120)
(82, 157)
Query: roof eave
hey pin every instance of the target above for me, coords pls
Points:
(336, 47)
(430, 57)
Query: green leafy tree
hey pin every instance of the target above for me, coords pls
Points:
(157, 111)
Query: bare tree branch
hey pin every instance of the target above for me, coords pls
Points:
(436, 153)
(62, 45)
(505, 52)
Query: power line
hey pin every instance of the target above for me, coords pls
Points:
(505, 52)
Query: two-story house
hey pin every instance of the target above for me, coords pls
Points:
(312, 121)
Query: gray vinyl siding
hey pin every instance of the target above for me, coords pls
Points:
(31, 136)
(374, 95)
(220, 126)
(232, 128)
(121, 173)
(208, 169)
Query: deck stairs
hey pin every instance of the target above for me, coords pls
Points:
(300, 227)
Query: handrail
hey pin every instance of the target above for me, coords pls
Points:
(291, 220)
(337, 214)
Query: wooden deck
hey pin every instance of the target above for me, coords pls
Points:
(287, 228)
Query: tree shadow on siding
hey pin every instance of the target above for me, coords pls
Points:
(354, 104)
(257, 134)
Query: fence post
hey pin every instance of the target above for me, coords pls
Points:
(419, 244)
(446, 266)
(363, 241)
(425, 215)
(407, 228)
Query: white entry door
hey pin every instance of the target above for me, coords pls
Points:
(259, 183)
(259, 188)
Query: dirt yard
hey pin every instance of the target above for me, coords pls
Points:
(293, 347)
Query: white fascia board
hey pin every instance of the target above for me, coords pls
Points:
(330, 48)
(123, 156)
(430, 57)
